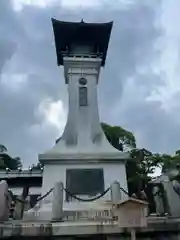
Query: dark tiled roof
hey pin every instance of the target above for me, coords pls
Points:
(66, 33)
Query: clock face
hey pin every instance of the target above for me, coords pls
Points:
(82, 81)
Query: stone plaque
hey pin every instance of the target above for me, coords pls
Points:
(84, 182)
(82, 96)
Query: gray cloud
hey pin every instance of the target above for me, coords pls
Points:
(7, 45)
(154, 128)
(29, 55)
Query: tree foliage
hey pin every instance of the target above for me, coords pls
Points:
(142, 161)
(168, 162)
(119, 137)
(3, 149)
(6, 161)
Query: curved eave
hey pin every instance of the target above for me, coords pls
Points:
(64, 28)
(108, 24)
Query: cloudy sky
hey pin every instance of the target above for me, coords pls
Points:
(139, 88)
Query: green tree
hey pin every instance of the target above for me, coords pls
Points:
(3, 149)
(168, 162)
(142, 161)
(120, 138)
(145, 163)
(6, 161)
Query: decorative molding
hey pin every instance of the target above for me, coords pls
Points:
(53, 161)
(87, 66)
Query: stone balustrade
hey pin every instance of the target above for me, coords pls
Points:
(100, 218)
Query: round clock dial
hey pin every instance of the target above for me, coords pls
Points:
(82, 81)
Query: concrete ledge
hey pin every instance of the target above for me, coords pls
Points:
(80, 161)
(94, 156)
(71, 228)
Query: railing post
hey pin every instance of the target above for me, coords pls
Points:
(115, 192)
(4, 208)
(57, 206)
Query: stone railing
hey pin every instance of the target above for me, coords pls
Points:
(99, 215)
(104, 213)
(56, 208)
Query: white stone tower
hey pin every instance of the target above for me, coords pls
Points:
(83, 155)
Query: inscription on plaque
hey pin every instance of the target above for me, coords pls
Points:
(82, 96)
